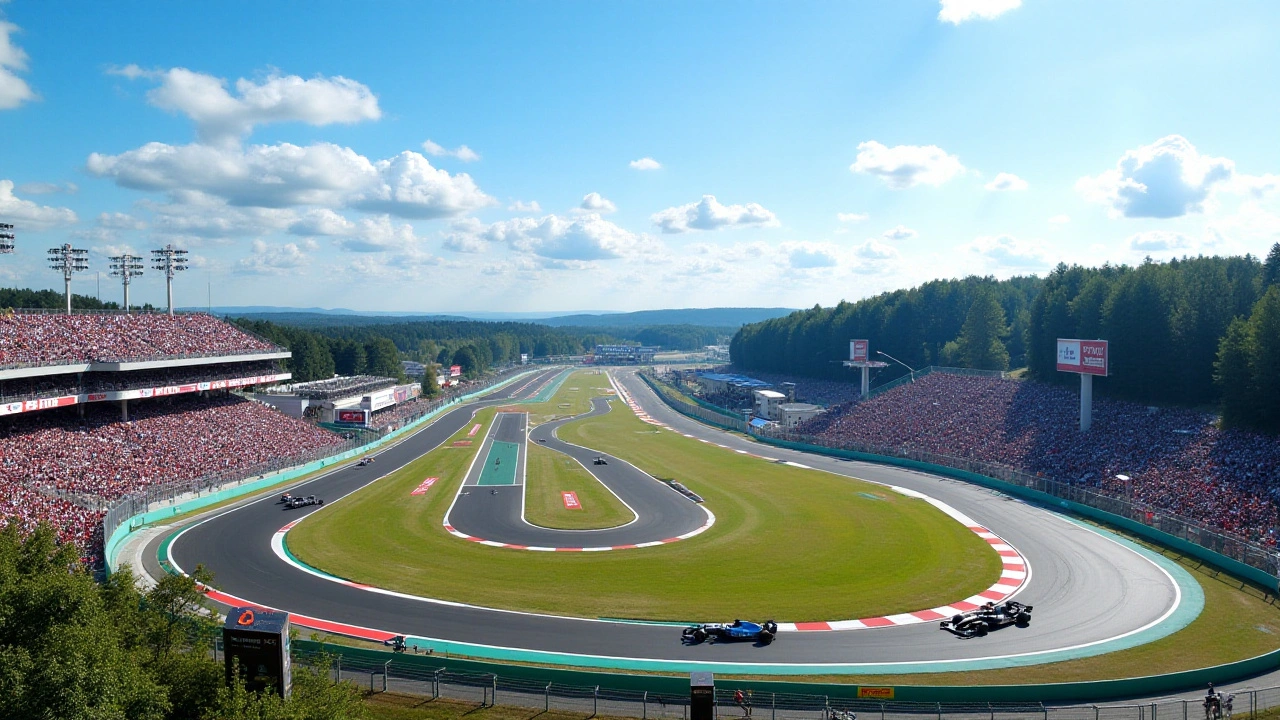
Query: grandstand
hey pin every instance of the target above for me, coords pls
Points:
(350, 400)
(623, 354)
(95, 406)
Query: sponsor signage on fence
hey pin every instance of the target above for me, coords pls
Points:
(1087, 357)
(424, 486)
(14, 408)
(858, 350)
(875, 693)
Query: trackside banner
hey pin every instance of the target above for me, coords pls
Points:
(14, 408)
(1086, 357)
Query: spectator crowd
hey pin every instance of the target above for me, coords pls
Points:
(810, 390)
(48, 457)
(65, 339)
(1176, 460)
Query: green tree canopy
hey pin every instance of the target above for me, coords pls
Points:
(980, 343)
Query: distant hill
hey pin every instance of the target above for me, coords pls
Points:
(705, 317)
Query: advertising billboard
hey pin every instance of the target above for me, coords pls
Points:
(455, 370)
(1087, 357)
(350, 416)
(524, 358)
(379, 400)
(858, 350)
(256, 647)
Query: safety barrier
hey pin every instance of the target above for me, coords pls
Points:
(793, 699)
(133, 513)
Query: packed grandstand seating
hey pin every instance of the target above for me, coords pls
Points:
(337, 387)
(40, 339)
(396, 415)
(100, 458)
(1177, 460)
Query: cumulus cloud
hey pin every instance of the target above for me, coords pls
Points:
(1008, 251)
(810, 255)
(366, 235)
(525, 207)
(1168, 178)
(904, 166)
(286, 175)
(709, 214)
(852, 217)
(1060, 219)
(585, 238)
(13, 90)
(269, 259)
(462, 152)
(958, 11)
(47, 188)
(27, 215)
(597, 203)
(120, 221)
(1006, 182)
(874, 250)
(195, 218)
(223, 118)
(901, 232)
(645, 163)
(1159, 241)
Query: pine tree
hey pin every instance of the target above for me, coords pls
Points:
(980, 344)
(1271, 268)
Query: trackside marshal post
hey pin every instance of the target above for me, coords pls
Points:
(702, 696)
(259, 640)
(1086, 358)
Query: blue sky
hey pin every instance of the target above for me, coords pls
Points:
(452, 157)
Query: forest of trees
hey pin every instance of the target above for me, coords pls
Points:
(1196, 331)
(32, 299)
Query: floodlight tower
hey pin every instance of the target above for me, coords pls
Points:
(68, 260)
(170, 261)
(126, 267)
(6, 238)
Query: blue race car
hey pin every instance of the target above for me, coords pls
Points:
(737, 630)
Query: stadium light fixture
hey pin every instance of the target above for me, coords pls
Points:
(126, 267)
(908, 367)
(68, 260)
(6, 238)
(170, 261)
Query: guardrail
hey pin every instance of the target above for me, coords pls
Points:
(1238, 556)
(668, 695)
(157, 503)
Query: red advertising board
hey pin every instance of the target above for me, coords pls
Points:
(571, 501)
(424, 486)
(858, 350)
(1086, 357)
(455, 370)
(350, 416)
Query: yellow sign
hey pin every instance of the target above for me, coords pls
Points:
(876, 693)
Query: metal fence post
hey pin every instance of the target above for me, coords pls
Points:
(595, 702)
(939, 711)
(386, 670)
(495, 690)
(435, 684)
(1184, 710)
(644, 706)
(339, 668)
(1095, 712)
(773, 702)
(546, 698)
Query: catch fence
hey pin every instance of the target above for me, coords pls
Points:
(489, 689)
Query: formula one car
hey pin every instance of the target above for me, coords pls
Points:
(364, 461)
(737, 630)
(601, 461)
(976, 623)
(285, 498)
(300, 501)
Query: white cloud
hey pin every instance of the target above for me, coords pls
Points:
(222, 118)
(874, 250)
(1060, 219)
(366, 235)
(958, 11)
(194, 218)
(462, 152)
(267, 259)
(901, 232)
(13, 90)
(285, 175)
(584, 238)
(120, 221)
(810, 255)
(525, 207)
(1159, 241)
(645, 163)
(852, 217)
(1008, 251)
(1165, 179)
(47, 188)
(905, 166)
(597, 203)
(1006, 181)
(27, 215)
(709, 214)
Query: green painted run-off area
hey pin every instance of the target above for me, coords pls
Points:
(500, 464)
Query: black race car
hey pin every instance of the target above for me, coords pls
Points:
(763, 633)
(364, 461)
(286, 498)
(601, 461)
(977, 623)
(299, 501)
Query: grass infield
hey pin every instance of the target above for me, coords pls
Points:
(550, 473)
(856, 549)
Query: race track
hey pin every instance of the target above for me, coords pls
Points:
(1091, 593)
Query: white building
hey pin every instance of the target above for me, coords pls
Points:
(768, 402)
(792, 414)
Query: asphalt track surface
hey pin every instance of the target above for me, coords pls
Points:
(1085, 587)
(497, 513)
